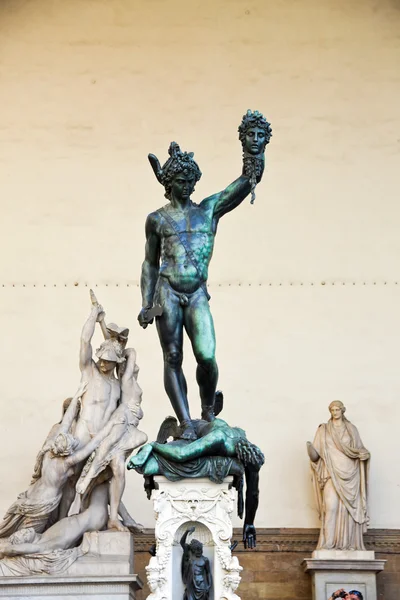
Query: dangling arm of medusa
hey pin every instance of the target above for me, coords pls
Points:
(251, 506)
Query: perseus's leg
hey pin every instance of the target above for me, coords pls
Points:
(200, 328)
(170, 332)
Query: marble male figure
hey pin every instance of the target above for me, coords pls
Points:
(179, 245)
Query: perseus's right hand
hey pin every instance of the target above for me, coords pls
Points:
(142, 318)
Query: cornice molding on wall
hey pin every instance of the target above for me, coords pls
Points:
(386, 541)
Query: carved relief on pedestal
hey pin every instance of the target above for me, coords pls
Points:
(208, 506)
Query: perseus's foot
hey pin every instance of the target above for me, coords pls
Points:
(116, 525)
(207, 414)
(188, 432)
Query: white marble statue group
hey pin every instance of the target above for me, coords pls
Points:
(82, 462)
(83, 458)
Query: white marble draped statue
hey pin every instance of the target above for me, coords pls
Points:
(339, 465)
(89, 446)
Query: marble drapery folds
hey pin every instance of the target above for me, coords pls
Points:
(340, 480)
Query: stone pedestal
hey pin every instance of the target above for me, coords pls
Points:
(121, 587)
(104, 569)
(352, 570)
(207, 506)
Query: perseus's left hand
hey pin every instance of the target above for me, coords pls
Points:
(249, 537)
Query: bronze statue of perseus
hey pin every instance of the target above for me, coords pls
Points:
(179, 246)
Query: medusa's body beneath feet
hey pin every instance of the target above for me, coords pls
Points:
(219, 450)
(214, 439)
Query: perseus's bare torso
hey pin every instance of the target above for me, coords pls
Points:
(196, 226)
(98, 403)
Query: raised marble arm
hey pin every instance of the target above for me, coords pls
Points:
(85, 355)
(101, 320)
(130, 356)
(72, 409)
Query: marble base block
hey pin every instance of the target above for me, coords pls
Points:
(120, 587)
(208, 507)
(104, 570)
(343, 555)
(349, 569)
(105, 552)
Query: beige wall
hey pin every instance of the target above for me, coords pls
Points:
(88, 88)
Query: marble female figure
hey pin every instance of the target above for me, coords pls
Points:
(339, 465)
(34, 507)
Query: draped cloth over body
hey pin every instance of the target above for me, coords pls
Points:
(340, 463)
(51, 563)
(26, 513)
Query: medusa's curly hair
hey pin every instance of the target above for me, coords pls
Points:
(254, 119)
(179, 162)
(249, 453)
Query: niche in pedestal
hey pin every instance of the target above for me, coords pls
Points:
(203, 535)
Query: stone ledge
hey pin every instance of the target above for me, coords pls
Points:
(50, 579)
(385, 541)
(122, 587)
(354, 565)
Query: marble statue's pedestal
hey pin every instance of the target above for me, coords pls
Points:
(105, 570)
(117, 587)
(208, 507)
(349, 569)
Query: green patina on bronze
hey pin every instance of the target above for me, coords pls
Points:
(220, 450)
(179, 246)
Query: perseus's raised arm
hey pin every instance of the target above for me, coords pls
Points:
(150, 266)
(254, 133)
(233, 194)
